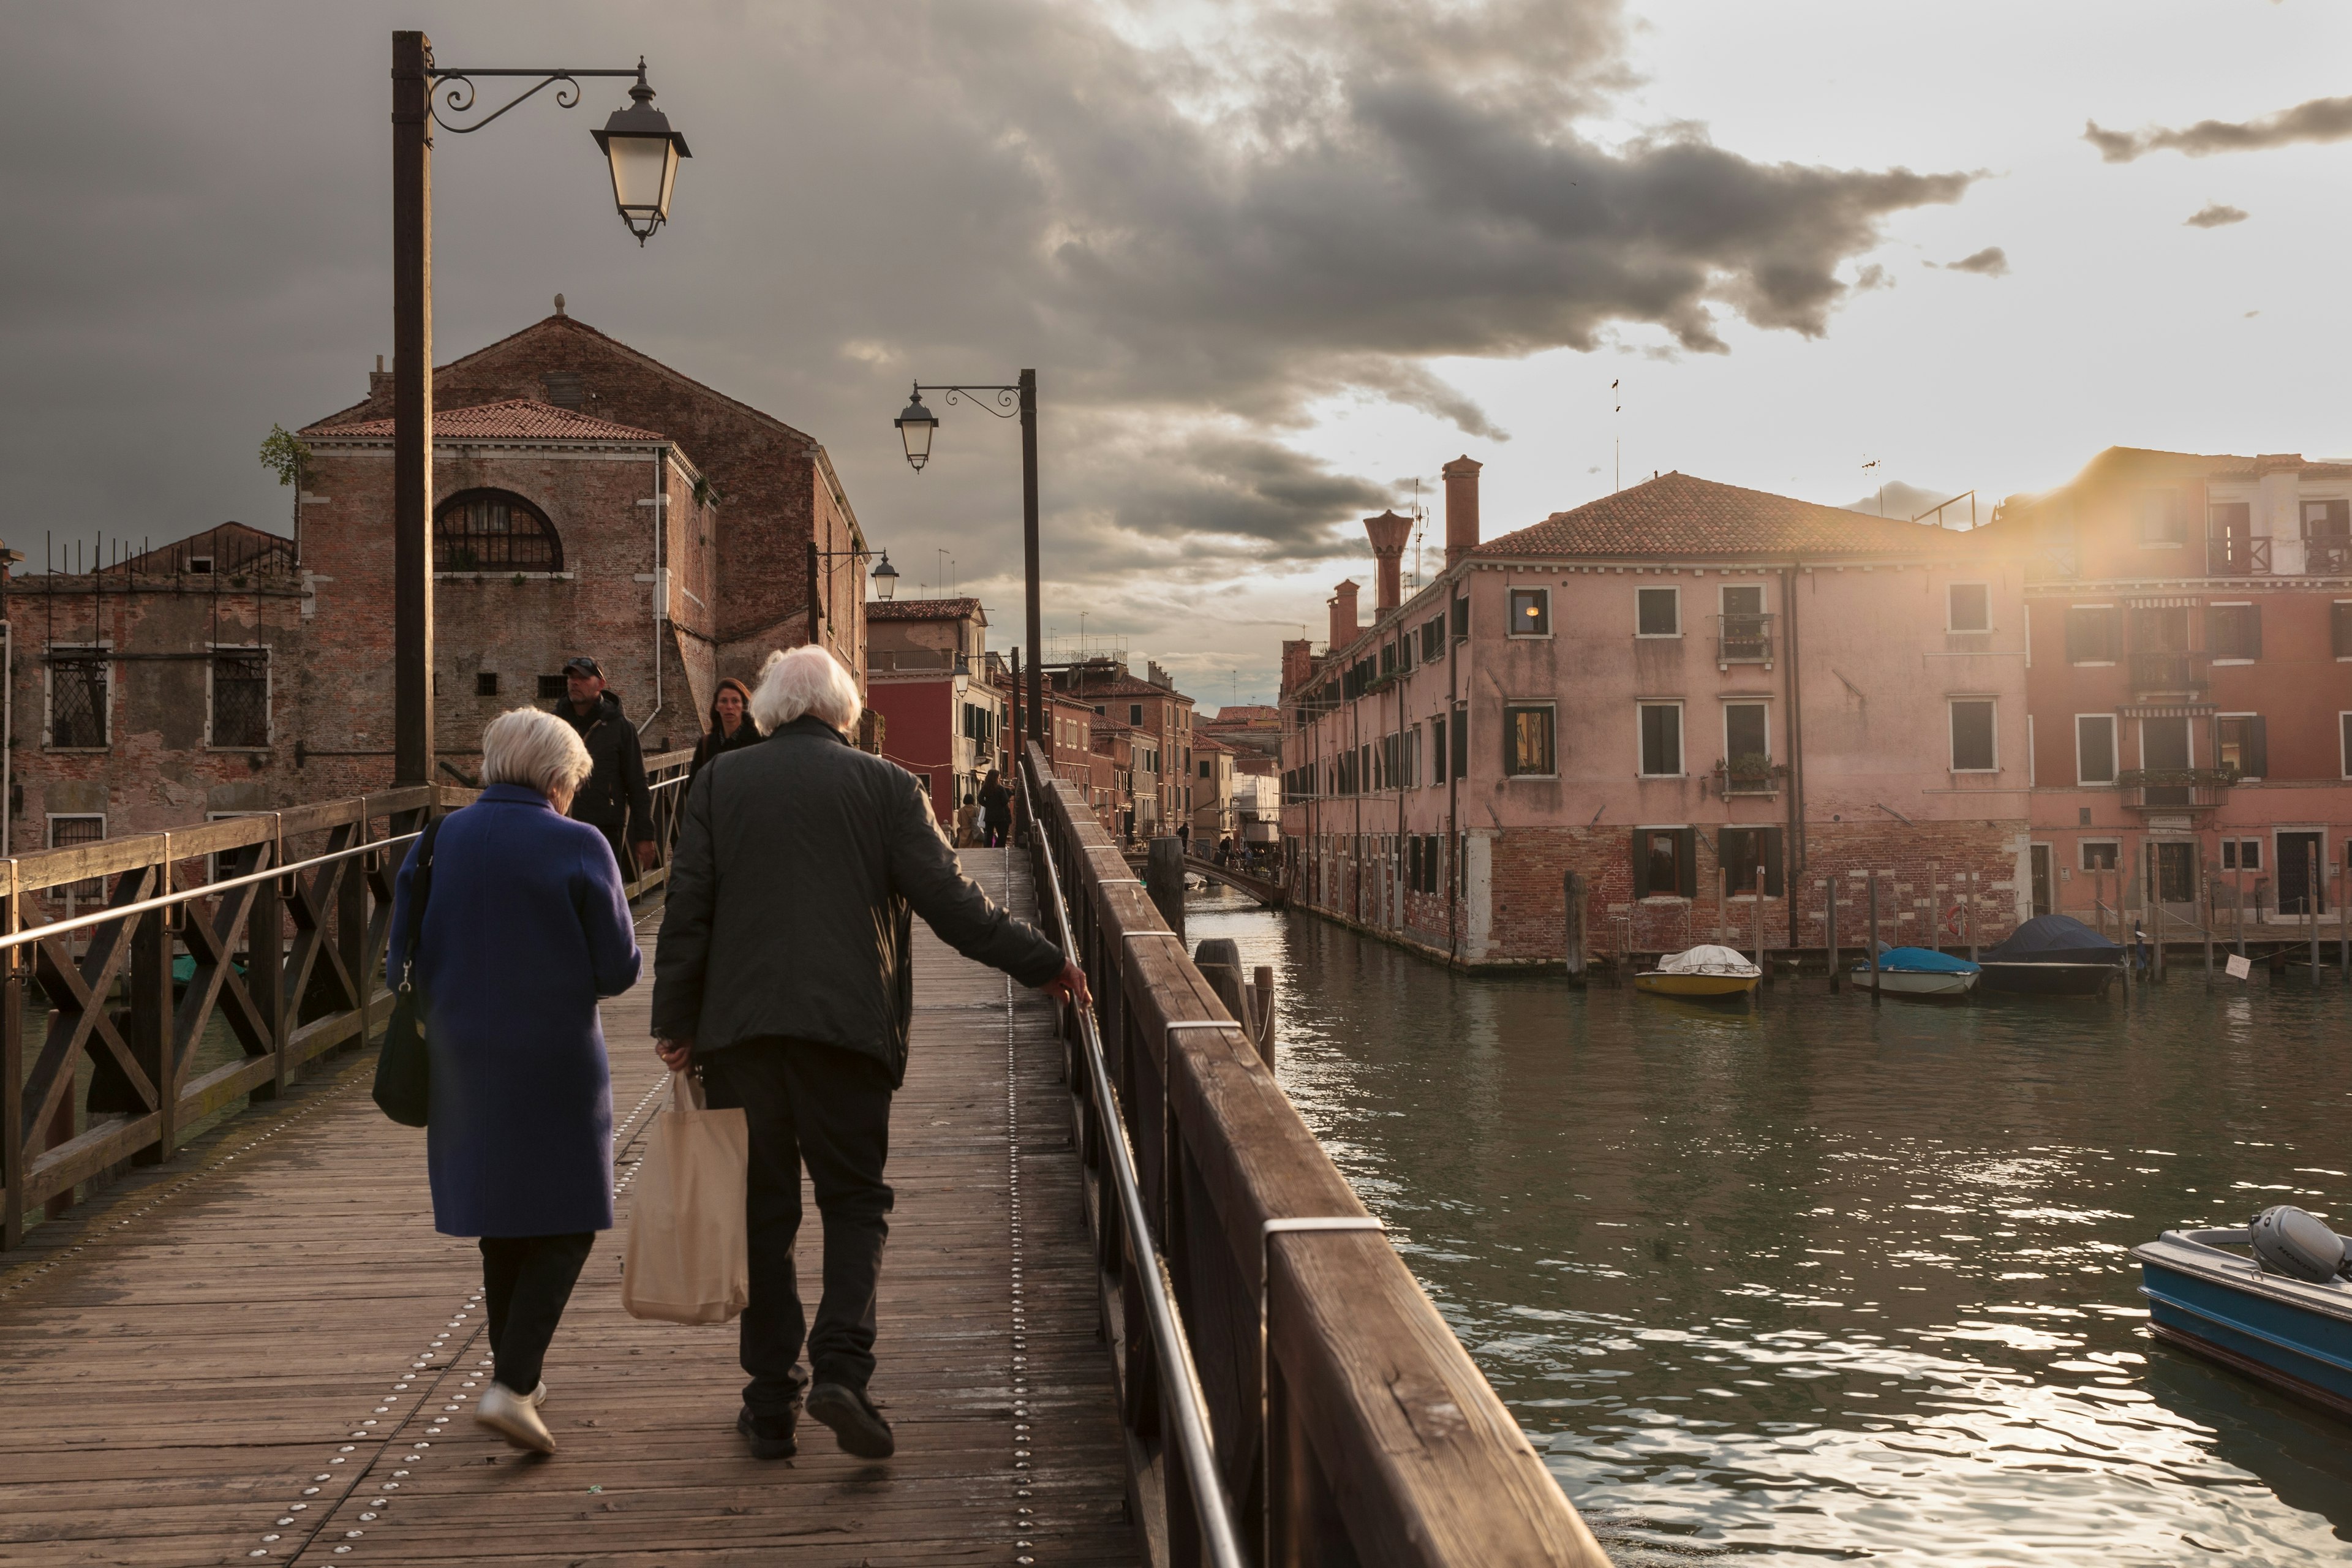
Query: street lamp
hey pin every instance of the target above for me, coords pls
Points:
(916, 425)
(643, 152)
(886, 579)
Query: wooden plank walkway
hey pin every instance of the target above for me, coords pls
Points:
(263, 1352)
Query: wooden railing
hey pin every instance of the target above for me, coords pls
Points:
(282, 917)
(1350, 1425)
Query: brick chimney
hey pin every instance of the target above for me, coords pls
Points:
(1461, 508)
(1390, 533)
(1297, 663)
(1343, 615)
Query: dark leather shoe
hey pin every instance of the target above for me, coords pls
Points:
(856, 1424)
(770, 1436)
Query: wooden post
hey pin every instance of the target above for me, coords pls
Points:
(60, 1131)
(2123, 929)
(151, 1019)
(411, 408)
(264, 974)
(12, 1093)
(1829, 936)
(2205, 894)
(1722, 904)
(2238, 891)
(1968, 914)
(1163, 877)
(2343, 925)
(1758, 912)
(1873, 939)
(2311, 903)
(1572, 886)
(1263, 986)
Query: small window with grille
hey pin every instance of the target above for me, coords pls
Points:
(79, 689)
(550, 687)
(493, 530)
(65, 832)
(240, 699)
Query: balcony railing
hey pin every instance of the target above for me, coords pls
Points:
(1743, 639)
(2237, 555)
(2163, 670)
(1748, 778)
(2327, 557)
(2174, 789)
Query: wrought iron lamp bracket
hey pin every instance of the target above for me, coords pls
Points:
(454, 90)
(1004, 402)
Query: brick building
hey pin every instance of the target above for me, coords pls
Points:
(928, 673)
(1680, 690)
(2190, 684)
(1161, 745)
(585, 500)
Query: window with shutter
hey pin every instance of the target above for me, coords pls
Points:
(2240, 745)
(1461, 742)
(1661, 738)
(2094, 749)
(2234, 631)
(1972, 735)
(1742, 851)
(2091, 634)
(2339, 628)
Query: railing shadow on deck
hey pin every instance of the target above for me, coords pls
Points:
(282, 919)
(1349, 1424)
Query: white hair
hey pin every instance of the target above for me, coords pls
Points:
(808, 680)
(533, 747)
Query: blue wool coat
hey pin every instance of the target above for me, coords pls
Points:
(527, 925)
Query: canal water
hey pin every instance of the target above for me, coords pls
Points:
(1817, 1280)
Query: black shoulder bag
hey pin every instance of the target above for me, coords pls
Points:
(403, 1072)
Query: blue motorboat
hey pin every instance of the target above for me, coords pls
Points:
(2053, 955)
(1917, 971)
(2280, 1311)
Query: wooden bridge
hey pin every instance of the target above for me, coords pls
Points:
(1130, 1311)
(1266, 890)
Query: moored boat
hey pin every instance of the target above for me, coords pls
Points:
(2279, 1312)
(1705, 972)
(1918, 972)
(2052, 955)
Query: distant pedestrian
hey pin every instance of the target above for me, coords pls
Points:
(1185, 837)
(526, 925)
(731, 724)
(614, 801)
(968, 828)
(783, 975)
(996, 805)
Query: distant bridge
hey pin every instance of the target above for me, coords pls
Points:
(1265, 889)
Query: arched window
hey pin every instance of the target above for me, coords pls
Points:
(494, 531)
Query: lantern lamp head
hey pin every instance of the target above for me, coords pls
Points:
(915, 428)
(644, 153)
(885, 578)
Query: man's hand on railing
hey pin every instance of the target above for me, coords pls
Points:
(1070, 986)
(675, 1053)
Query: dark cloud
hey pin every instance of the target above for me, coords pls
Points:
(1196, 238)
(2215, 215)
(1993, 262)
(2320, 120)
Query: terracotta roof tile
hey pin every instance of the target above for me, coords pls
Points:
(1677, 516)
(921, 609)
(515, 418)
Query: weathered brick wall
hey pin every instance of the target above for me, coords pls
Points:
(157, 771)
(1925, 870)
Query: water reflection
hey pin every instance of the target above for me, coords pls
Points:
(1831, 1281)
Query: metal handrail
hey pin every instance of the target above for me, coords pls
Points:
(1221, 1532)
(165, 900)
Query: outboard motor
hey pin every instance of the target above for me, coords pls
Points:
(2298, 1244)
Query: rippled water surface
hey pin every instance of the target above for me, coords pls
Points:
(1821, 1280)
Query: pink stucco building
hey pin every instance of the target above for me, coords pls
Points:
(1677, 690)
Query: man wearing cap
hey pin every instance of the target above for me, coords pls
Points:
(614, 801)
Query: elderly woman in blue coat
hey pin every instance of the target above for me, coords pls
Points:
(526, 925)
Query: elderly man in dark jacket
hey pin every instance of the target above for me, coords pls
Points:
(614, 801)
(784, 974)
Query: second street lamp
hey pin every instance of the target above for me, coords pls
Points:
(643, 152)
(916, 425)
(886, 579)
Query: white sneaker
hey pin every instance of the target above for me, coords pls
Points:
(515, 1417)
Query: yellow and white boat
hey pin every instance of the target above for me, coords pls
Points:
(1704, 972)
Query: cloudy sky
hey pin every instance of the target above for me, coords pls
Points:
(1274, 264)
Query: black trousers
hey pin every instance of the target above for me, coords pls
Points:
(829, 1108)
(526, 1282)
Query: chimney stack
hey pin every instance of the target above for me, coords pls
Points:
(1297, 663)
(1461, 508)
(1390, 533)
(1343, 615)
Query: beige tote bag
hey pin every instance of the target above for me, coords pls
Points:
(689, 1259)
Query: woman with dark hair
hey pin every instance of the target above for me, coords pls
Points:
(731, 724)
(995, 810)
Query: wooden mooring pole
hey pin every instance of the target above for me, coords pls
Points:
(2310, 886)
(1829, 933)
(1572, 888)
(1873, 939)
